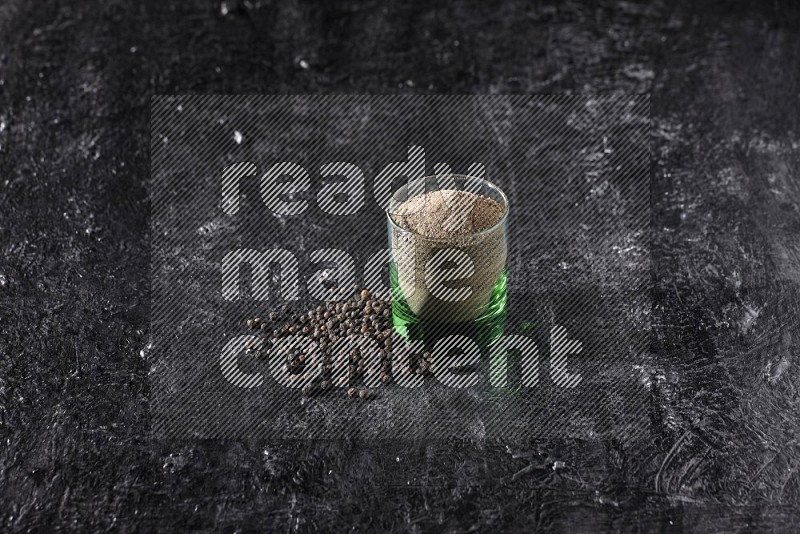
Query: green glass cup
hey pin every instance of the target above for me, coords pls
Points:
(445, 283)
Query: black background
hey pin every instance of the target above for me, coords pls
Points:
(577, 173)
(74, 291)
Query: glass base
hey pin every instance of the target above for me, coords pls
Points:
(484, 330)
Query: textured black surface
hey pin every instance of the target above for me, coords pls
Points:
(576, 170)
(74, 422)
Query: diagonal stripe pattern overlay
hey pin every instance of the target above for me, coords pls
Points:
(262, 204)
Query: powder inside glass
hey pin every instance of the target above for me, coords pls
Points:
(448, 219)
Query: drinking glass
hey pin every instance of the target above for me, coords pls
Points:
(448, 282)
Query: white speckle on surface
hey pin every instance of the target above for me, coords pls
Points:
(223, 8)
(398, 458)
(410, 83)
(214, 226)
(3, 280)
(180, 107)
(2, 126)
(648, 375)
(237, 136)
(638, 72)
(174, 462)
(748, 318)
(133, 50)
(303, 64)
(773, 374)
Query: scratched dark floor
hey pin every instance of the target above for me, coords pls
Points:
(75, 82)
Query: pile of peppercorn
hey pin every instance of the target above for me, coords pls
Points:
(361, 315)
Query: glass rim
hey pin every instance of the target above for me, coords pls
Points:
(483, 232)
